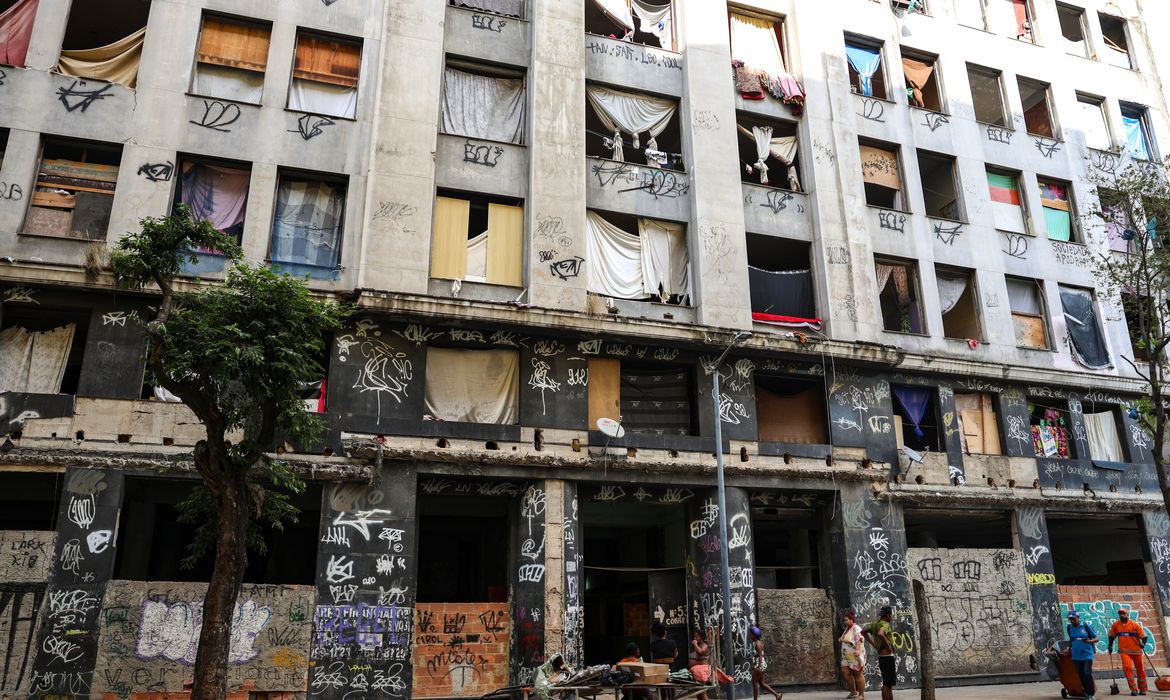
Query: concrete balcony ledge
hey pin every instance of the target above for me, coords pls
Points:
(776, 212)
(628, 188)
(478, 165)
(628, 65)
(492, 37)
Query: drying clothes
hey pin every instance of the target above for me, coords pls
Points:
(1051, 441)
(865, 61)
(511, 8)
(216, 194)
(782, 148)
(917, 76)
(618, 11)
(782, 295)
(16, 25)
(665, 260)
(116, 62)
(754, 42)
(322, 98)
(614, 267)
(1006, 204)
(747, 81)
(1084, 331)
(473, 386)
(950, 290)
(630, 113)
(307, 227)
(1101, 431)
(483, 107)
(34, 362)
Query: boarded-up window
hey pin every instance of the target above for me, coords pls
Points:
(978, 424)
(882, 176)
(325, 76)
(473, 386)
(231, 59)
(478, 239)
(657, 399)
(790, 409)
(74, 192)
(1028, 317)
(605, 390)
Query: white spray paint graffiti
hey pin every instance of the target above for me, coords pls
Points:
(171, 631)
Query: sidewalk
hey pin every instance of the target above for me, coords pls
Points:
(1014, 691)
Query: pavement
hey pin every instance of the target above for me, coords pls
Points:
(1014, 691)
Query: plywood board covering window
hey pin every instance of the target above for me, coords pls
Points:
(1028, 317)
(978, 424)
(791, 411)
(605, 388)
(74, 192)
(231, 59)
(326, 60)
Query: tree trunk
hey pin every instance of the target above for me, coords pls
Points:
(232, 517)
(925, 641)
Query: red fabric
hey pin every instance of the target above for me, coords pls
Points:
(16, 27)
(1021, 8)
(786, 320)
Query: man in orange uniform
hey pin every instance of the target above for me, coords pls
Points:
(1131, 640)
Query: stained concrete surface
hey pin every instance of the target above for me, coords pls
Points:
(1015, 691)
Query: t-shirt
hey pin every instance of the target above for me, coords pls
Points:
(1081, 650)
(663, 649)
(875, 629)
(1129, 636)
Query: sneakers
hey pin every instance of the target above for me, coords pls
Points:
(1141, 692)
(1133, 693)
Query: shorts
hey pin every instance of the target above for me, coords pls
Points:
(889, 669)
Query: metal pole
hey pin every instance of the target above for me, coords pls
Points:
(725, 571)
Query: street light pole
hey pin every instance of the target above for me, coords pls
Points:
(724, 566)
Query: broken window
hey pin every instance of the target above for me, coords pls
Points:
(1093, 123)
(882, 176)
(231, 59)
(916, 422)
(1051, 428)
(922, 83)
(508, 8)
(782, 290)
(971, 13)
(41, 349)
(1099, 550)
(307, 225)
(1137, 132)
(1084, 328)
(791, 410)
(617, 118)
(897, 284)
(29, 502)
(478, 239)
(1059, 214)
(1007, 205)
(987, 95)
(1072, 28)
(951, 529)
(1026, 300)
(325, 75)
(1022, 11)
(16, 25)
(768, 152)
(866, 76)
(472, 386)
(74, 191)
(640, 21)
(959, 302)
(216, 192)
(1034, 97)
(103, 41)
(483, 102)
(154, 536)
(978, 424)
(757, 56)
(940, 189)
(460, 557)
(654, 263)
(1102, 435)
(1113, 33)
(786, 544)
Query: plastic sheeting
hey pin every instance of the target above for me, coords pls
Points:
(116, 62)
(322, 98)
(866, 62)
(1137, 144)
(630, 113)
(1101, 430)
(483, 107)
(473, 386)
(1084, 331)
(216, 194)
(511, 8)
(16, 25)
(34, 362)
(307, 227)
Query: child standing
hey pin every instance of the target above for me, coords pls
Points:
(759, 665)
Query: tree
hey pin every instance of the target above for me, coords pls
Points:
(235, 354)
(1134, 205)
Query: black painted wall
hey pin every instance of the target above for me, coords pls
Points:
(1032, 540)
(526, 581)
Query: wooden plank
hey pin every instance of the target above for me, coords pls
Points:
(80, 171)
(42, 221)
(58, 200)
(605, 388)
(1030, 331)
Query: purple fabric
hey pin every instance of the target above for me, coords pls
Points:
(914, 401)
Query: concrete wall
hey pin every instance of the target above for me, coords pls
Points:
(26, 559)
(799, 639)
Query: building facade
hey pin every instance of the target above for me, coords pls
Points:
(552, 217)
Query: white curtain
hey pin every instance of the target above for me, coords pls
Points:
(1023, 297)
(949, 291)
(1104, 444)
(512, 8)
(34, 362)
(477, 258)
(626, 112)
(228, 83)
(473, 386)
(614, 260)
(665, 261)
(655, 19)
(322, 98)
(618, 11)
(782, 148)
(483, 107)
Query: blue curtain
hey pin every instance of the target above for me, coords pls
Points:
(866, 62)
(1135, 136)
(914, 402)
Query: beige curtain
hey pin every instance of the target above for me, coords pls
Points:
(1104, 444)
(473, 386)
(753, 41)
(116, 62)
(34, 362)
(482, 106)
(917, 75)
(880, 167)
(505, 244)
(901, 281)
(449, 244)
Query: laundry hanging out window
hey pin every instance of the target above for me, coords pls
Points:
(757, 56)
(325, 76)
(768, 152)
(618, 118)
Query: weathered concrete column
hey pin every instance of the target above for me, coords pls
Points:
(83, 562)
(554, 566)
(1157, 526)
(574, 618)
(1031, 535)
(366, 571)
(527, 585)
(556, 206)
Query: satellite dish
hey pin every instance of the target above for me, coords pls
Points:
(611, 427)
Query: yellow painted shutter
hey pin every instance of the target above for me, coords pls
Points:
(505, 246)
(605, 389)
(449, 244)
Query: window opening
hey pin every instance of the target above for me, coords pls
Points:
(882, 176)
(791, 410)
(940, 188)
(950, 529)
(1113, 33)
(959, 302)
(638, 21)
(1090, 550)
(1026, 299)
(1059, 214)
(769, 153)
(74, 191)
(916, 420)
(325, 75)
(652, 264)
(915, 6)
(308, 224)
(786, 544)
(1007, 204)
(1084, 328)
(781, 280)
(971, 13)
(987, 95)
(1037, 107)
(978, 424)
(1102, 435)
(483, 102)
(3, 147)
(866, 76)
(508, 8)
(41, 349)
(231, 59)
(897, 284)
(757, 57)
(103, 40)
(922, 84)
(1051, 428)
(1093, 122)
(1024, 27)
(657, 399)
(460, 559)
(472, 386)
(617, 118)
(478, 238)
(1072, 29)
(29, 502)
(1139, 340)
(217, 192)
(1137, 132)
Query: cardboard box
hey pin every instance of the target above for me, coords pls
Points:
(647, 673)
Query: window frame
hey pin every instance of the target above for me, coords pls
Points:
(955, 182)
(1044, 315)
(953, 272)
(1076, 233)
(192, 88)
(982, 14)
(896, 149)
(1103, 17)
(997, 75)
(1080, 14)
(915, 284)
(1085, 98)
(1142, 113)
(85, 146)
(1025, 212)
(935, 78)
(880, 76)
(1053, 124)
(486, 201)
(1030, 13)
(334, 38)
(340, 179)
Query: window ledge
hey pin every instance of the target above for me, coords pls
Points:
(995, 126)
(471, 290)
(1042, 136)
(51, 237)
(1069, 242)
(1047, 351)
(878, 207)
(479, 138)
(634, 43)
(228, 100)
(290, 110)
(486, 12)
(626, 162)
(907, 334)
(962, 222)
(929, 110)
(1029, 234)
(650, 441)
(963, 341)
(874, 97)
(794, 449)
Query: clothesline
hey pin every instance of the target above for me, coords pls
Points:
(610, 136)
